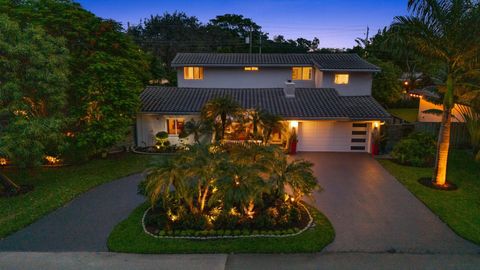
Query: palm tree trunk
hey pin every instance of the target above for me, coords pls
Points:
(443, 146)
(204, 198)
(8, 184)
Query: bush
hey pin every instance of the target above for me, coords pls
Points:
(418, 149)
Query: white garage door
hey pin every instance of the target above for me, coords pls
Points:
(332, 136)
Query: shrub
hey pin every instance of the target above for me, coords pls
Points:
(418, 149)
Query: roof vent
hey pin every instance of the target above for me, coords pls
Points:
(289, 89)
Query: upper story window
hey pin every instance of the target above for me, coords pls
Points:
(301, 73)
(250, 68)
(341, 78)
(175, 126)
(193, 73)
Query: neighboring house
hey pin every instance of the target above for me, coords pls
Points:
(325, 97)
(425, 105)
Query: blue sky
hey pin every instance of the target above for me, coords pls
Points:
(335, 23)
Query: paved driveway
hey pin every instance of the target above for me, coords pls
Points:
(372, 212)
(83, 224)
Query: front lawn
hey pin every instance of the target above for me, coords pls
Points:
(460, 209)
(54, 187)
(128, 236)
(407, 114)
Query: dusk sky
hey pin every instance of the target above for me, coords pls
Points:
(335, 23)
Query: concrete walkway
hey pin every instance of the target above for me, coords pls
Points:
(372, 212)
(83, 224)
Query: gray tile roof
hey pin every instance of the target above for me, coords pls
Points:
(309, 103)
(337, 61)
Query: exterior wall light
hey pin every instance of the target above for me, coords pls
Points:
(294, 124)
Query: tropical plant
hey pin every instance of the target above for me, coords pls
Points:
(221, 111)
(471, 118)
(270, 123)
(297, 174)
(208, 186)
(197, 128)
(418, 149)
(446, 32)
(33, 76)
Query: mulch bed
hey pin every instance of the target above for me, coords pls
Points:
(427, 181)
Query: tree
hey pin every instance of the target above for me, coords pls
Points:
(221, 111)
(107, 71)
(386, 87)
(195, 128)
(33, 79)
(297, 174)
(270, 123)
(446, 32)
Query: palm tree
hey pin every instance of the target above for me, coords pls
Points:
(270, 123)
(164, 176)
(202, 168)
(471, 117)
(195, 128)
(446, 32)
(221, 109)
(240, 187)
(297, 174)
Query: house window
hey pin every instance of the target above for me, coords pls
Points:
(193, 73)
(175, 126)
(301, 73)
(341, 78)
(276, 136)
(250, 68)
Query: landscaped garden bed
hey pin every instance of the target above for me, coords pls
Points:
(129, 237)
(225, 192)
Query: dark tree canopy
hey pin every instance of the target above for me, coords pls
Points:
(33, 79)
(107, 71)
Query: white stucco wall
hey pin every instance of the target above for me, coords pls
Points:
(236, 77)
(359, 84)
(428, 117)
(149, 124)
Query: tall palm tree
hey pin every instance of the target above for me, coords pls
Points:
(221, 110)
(446, 32)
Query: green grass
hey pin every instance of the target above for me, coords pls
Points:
(460, 209)
(54, 187)
(128, 236)
(407, 114)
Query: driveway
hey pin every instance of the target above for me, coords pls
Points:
(83, 224)
(372, 212)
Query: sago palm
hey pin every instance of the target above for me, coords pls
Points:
(164, 176)
(297, 174)
(447, 32)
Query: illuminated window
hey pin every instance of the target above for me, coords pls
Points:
(301, 73)
(174, 126)
(341, 78)
(276, 136)
(193, 73)
(250, 68)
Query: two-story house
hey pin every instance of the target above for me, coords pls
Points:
(325, 97)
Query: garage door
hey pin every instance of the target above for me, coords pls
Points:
(332, 136)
